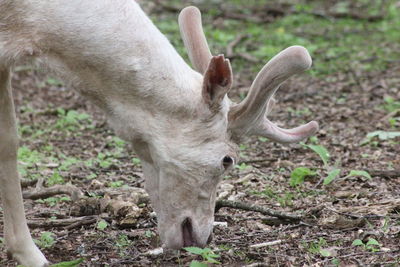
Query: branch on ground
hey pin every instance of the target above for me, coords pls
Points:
(45, 192)
(385, 173)
(255, 208)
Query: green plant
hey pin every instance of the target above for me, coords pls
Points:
(318, 248)
(136, 161)
(101, 225)
(242, 166)
(299, 174)
(381, 135)
(70, 120)
(391, 104)
(208, 256)
(372, 244)
(56, 178)
(116, 184)
(149, 234)
(46, 240)
(52, 201)
(122, 243)
(359, 173)
(321, 151)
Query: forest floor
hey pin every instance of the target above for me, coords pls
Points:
(344, 182)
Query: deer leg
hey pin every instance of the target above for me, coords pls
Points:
(17, 237)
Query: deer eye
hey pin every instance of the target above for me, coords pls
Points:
(227, 162)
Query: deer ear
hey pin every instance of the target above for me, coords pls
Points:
(217, 80)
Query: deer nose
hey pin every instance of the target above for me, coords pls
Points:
(187, 233)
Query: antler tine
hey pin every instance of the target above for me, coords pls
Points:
(248, 117)
(194, 38)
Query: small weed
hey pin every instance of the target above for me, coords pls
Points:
(391, 104)
(102, 224)
(372, 244)
(56, 178)
(54, 82)
(74, 263)
(208, 256)
(46, 240)
(318, 248)
(116, 184)
(67, 162)
(149, 234)
(332, 174)
(122, 243)
(136, 161)
(52, 201)
(70, 120)
(299, 174)
(380, 135)
(242, 166)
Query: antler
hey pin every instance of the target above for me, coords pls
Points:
(194, 39)
(249, 116)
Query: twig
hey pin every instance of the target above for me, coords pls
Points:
(385, 173)
(244, 206)
(67, 223)
(232, 44)
(248, 57)
(71, 190)
(266, 244)
(84, 221)
(258, 160)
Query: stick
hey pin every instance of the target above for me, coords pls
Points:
(385, 173)
(266, 244)
(243, 206)
(71, 190)
(231, 45)
(67, 223)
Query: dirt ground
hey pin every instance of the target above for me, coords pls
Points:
(348, 106)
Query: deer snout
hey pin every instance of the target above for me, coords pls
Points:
(189, 238)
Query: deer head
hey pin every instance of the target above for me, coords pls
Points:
(183, 171)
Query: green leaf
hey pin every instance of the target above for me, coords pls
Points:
(373, 242)
(382, 135)
(197, 264)
(194, 250)
(101, 225)
(73, 263)
(331, 176)
(325, 252)
(321, 151)
(357, 242)
(360, 173)
(297, 176)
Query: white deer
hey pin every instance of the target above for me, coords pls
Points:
(179, 120)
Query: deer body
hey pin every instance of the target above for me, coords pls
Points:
(179, 120)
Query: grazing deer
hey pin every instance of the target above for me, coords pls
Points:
(179, 120)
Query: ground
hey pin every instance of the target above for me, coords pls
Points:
(344, 182)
